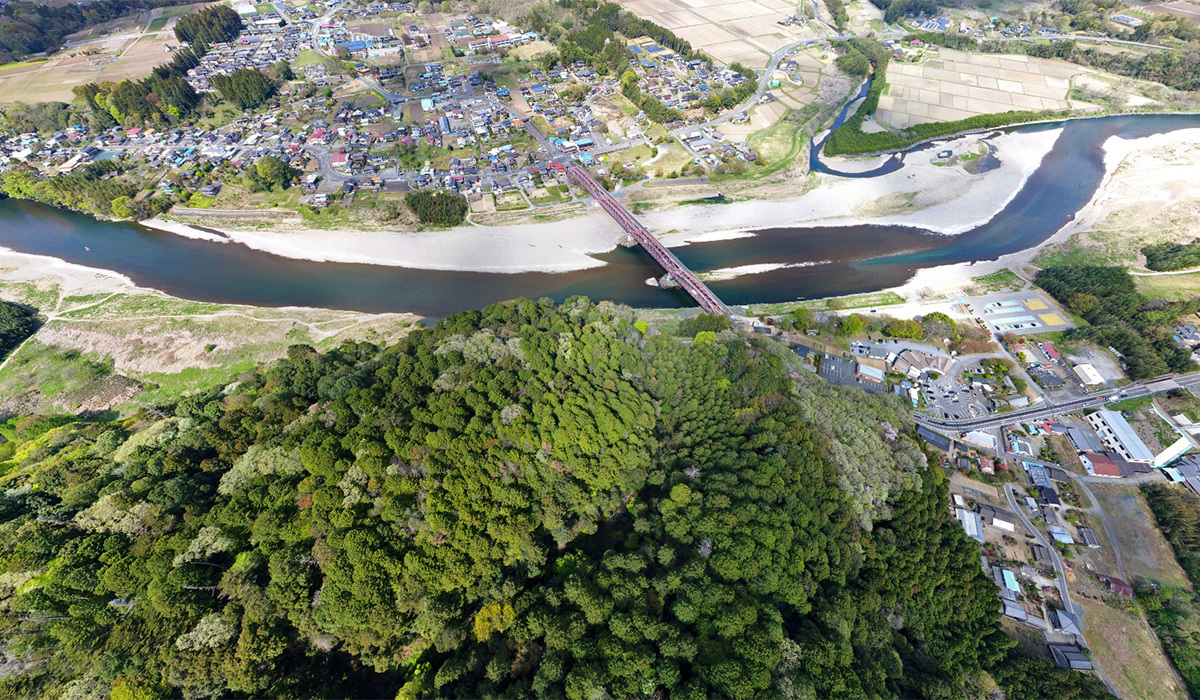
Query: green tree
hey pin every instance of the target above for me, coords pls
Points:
(851, 325)
(274, 173)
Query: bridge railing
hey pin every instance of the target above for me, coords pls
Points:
(678, 271)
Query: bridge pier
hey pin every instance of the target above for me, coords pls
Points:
(677, 272)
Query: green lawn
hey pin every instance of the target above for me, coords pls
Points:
(157, 25)
(177, 11)
(21, 64)
(264, 8)
(999, 281)
(855, 301)
(307, 57)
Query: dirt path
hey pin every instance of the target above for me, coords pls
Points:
(54, 315)
(313, 326)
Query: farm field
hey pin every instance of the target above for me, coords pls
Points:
(1143, 547)
(951, 85)
(1125, 649)
(121, 58)
(728, 30)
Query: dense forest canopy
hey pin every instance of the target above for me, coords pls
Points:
(437, 208)
(525, 501)
(212, 25)
(1172, 256)
(247, 88)
(1139, 327)
(16, 324)
(35, 27)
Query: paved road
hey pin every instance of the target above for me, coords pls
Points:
(1145, 388)
(1064, 592)
(765, 80)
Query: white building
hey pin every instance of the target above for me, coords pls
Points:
(1088, 374)
(1118, 436)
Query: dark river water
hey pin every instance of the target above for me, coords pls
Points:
(854, 258)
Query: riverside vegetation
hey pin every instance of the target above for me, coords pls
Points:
(530, 500)
(1175, 612)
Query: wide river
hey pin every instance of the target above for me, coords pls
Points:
(853, 259)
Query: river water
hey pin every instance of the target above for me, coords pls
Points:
(852, 259)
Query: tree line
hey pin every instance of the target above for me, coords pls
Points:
(656, 110)
(1164, 257)
(1177, 67)
(837, 12)
(850, 139)
(165, 96)
(437, 208)
(212, 25)
(247, 88)
(527, 501)
(1139, 327)
(91, 188)
(16, 324)
(729, 98)
(895, 10)
(1174, 612)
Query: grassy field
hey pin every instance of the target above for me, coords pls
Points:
(532, 50)
(1143, 548)
(180, 10)
(1125, 649)
(999, 281)
(22, 64)
(778, 143)
(1170, 287)
(672, 157)
(856, 301)
(307, 57)
(264, 8)
(157, 25)
(103, 351)
(118, 59)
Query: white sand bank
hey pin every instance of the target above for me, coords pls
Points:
(549, 247)
(728, 273)
(942, 199)
(1130, 174)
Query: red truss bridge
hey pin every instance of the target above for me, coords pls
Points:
(664, 257)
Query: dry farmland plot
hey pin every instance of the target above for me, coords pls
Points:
(1179, 8)
(728, 30)
(1144, 550)
(955, 85)
(1125, 649)
(53, 80)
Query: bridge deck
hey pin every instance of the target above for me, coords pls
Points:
(664, 257)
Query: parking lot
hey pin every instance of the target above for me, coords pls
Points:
(1018, 312)
(840, 371)
(950, 398)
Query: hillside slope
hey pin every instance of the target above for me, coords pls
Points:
(526, 501)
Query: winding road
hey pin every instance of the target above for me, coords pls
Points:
(1064, 593)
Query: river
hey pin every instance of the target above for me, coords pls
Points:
(851, 259)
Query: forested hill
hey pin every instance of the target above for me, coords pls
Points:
(529, 501)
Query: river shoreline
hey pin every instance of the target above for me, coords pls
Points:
(943, 199)
(957, 276)
(822, 259)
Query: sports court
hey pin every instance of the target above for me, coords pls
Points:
(1017, 312)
